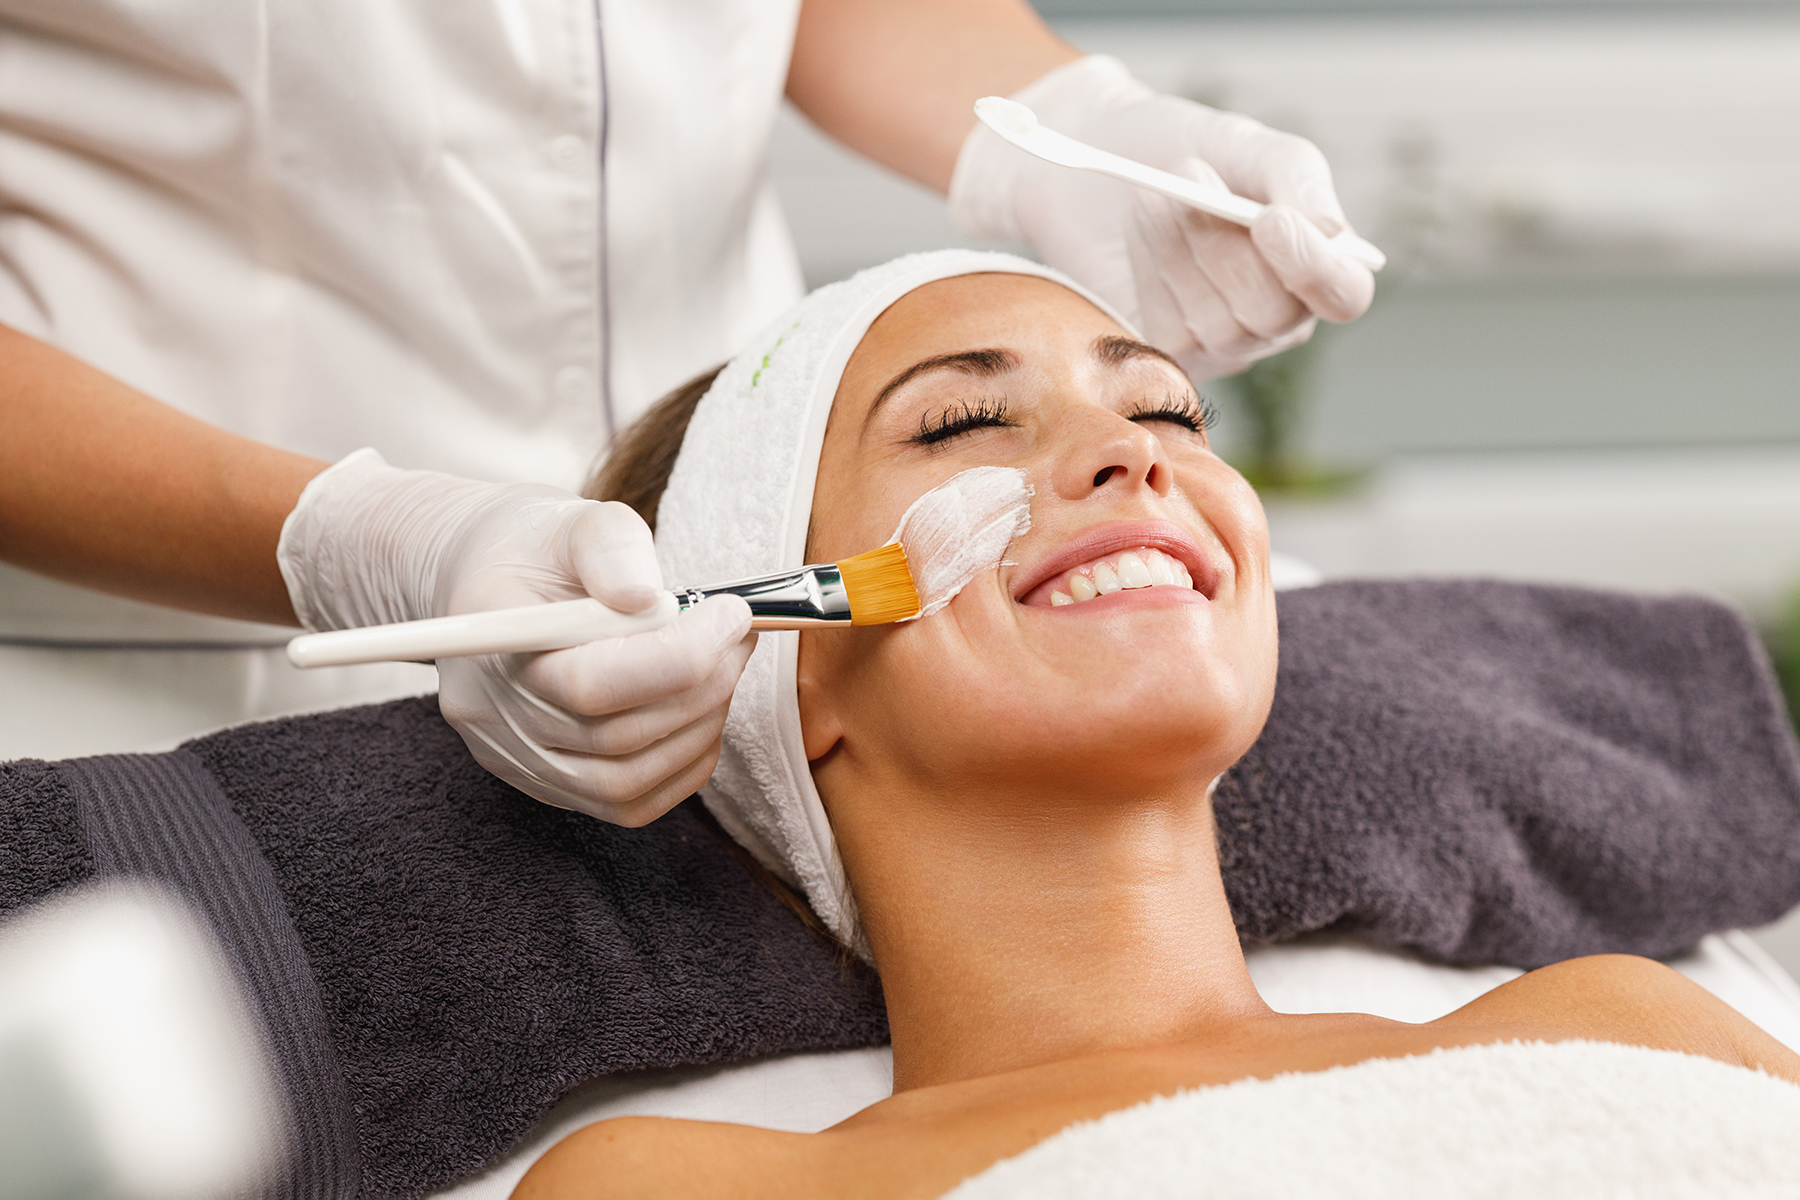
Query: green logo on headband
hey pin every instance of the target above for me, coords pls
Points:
(757, 375)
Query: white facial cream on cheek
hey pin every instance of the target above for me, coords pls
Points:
(961, 528)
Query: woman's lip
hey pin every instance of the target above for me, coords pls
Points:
(1100, 540)
(1127, 598)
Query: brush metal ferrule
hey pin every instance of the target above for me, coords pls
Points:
(798, 599)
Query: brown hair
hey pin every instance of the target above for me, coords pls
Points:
(636, 470)
(636, 473)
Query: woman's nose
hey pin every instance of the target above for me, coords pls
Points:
(1107, 451)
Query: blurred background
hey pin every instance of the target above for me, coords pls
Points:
(1583, 364)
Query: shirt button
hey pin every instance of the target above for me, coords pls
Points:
(573, 385)
(569, 152)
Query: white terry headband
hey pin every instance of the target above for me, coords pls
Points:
(739, 502)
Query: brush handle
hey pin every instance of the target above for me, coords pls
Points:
(802, 599)
(524, 630)
(807, 598)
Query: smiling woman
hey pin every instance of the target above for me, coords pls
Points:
(1017, 788)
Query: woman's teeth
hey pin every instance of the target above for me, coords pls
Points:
(1140, 568)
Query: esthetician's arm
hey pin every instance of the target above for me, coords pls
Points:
(103, 486)
(896, 80)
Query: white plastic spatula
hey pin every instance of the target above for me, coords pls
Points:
(1019, 125)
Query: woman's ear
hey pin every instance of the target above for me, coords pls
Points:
(821, 727)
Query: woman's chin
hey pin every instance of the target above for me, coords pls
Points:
(1126, 729)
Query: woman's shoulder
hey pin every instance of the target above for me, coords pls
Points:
(665, 1157)
(1627, 999)
(1600, 995)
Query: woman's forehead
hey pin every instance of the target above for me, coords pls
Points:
(1024, 313)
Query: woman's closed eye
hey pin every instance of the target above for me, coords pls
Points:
(1187, 410)
(964, 416)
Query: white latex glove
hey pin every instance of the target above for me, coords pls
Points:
(1215, 295)
(623, 728)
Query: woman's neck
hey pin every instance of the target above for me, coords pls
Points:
(1012, 931)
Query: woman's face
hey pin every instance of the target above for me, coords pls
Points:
(1140, 687)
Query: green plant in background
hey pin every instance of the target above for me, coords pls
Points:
(1272, 396)
(1784, 650)
(1271, 399)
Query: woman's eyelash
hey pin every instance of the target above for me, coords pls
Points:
(961, 418)
(1197, 413)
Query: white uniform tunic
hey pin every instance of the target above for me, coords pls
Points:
(478, 235)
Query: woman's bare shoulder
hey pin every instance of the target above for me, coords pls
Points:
(1632, 1000)
(664, 1157)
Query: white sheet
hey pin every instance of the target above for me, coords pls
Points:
(808, 1092)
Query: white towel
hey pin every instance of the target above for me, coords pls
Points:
(738, 504)
(1519, 1119)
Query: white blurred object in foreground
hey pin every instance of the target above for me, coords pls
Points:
(130, 1066)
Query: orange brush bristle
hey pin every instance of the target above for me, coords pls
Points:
(880, 586)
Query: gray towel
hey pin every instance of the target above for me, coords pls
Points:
(1498, 773)
(436, 958)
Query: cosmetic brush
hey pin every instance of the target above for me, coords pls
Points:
(874, 588)
(957, 530)
(1019, 125)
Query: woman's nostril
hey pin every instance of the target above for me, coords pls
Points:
(1106, 474)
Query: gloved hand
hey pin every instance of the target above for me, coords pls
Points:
(1215, 295)
(622, 729)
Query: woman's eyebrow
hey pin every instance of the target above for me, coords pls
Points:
(980, 363)
(1114, 351)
